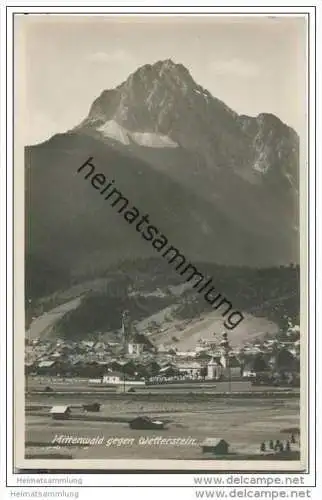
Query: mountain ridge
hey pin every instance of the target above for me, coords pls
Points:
(223, 186)
(164, 98)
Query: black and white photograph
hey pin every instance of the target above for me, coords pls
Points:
(162, 210)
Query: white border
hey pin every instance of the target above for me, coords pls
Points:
(131, 479)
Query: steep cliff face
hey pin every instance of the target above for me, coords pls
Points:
(163, 100)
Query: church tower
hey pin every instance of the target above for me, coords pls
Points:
(225, 349)
(130, 343)
(126, 328)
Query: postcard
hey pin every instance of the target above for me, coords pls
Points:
(160, 208)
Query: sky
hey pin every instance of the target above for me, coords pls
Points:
(254, 65)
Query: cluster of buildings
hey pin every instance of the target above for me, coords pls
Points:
(134, 357)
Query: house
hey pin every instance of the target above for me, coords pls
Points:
(249, 373)
(88, 343)
(60, 412)
(126, 365)
(255, 366)
(99, 346)
(56, 355)
(141, 371)
(204, 355)
(113, 378)
(76, 367)
(146, 423)
(232, 366)
(153, 367)
(162, 349)
(95, 407)
(135, 349)
(191, 369)
(215, 445)
(47, 367)
(94, 381)
(168, 371)
(94, 368)
(29, 367)
(214, 369)
(186, 354)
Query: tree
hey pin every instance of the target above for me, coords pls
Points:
(284, 360)
(259, 363)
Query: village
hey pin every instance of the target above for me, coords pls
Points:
(136, 361)
(208, 394)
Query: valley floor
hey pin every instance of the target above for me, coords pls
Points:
(243, 423)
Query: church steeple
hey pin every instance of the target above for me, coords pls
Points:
(225, 348)
(126, 327)
(224, 343)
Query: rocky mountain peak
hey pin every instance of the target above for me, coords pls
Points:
(148, 94)
(166, 71)
(163, 98)
(161, 105)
